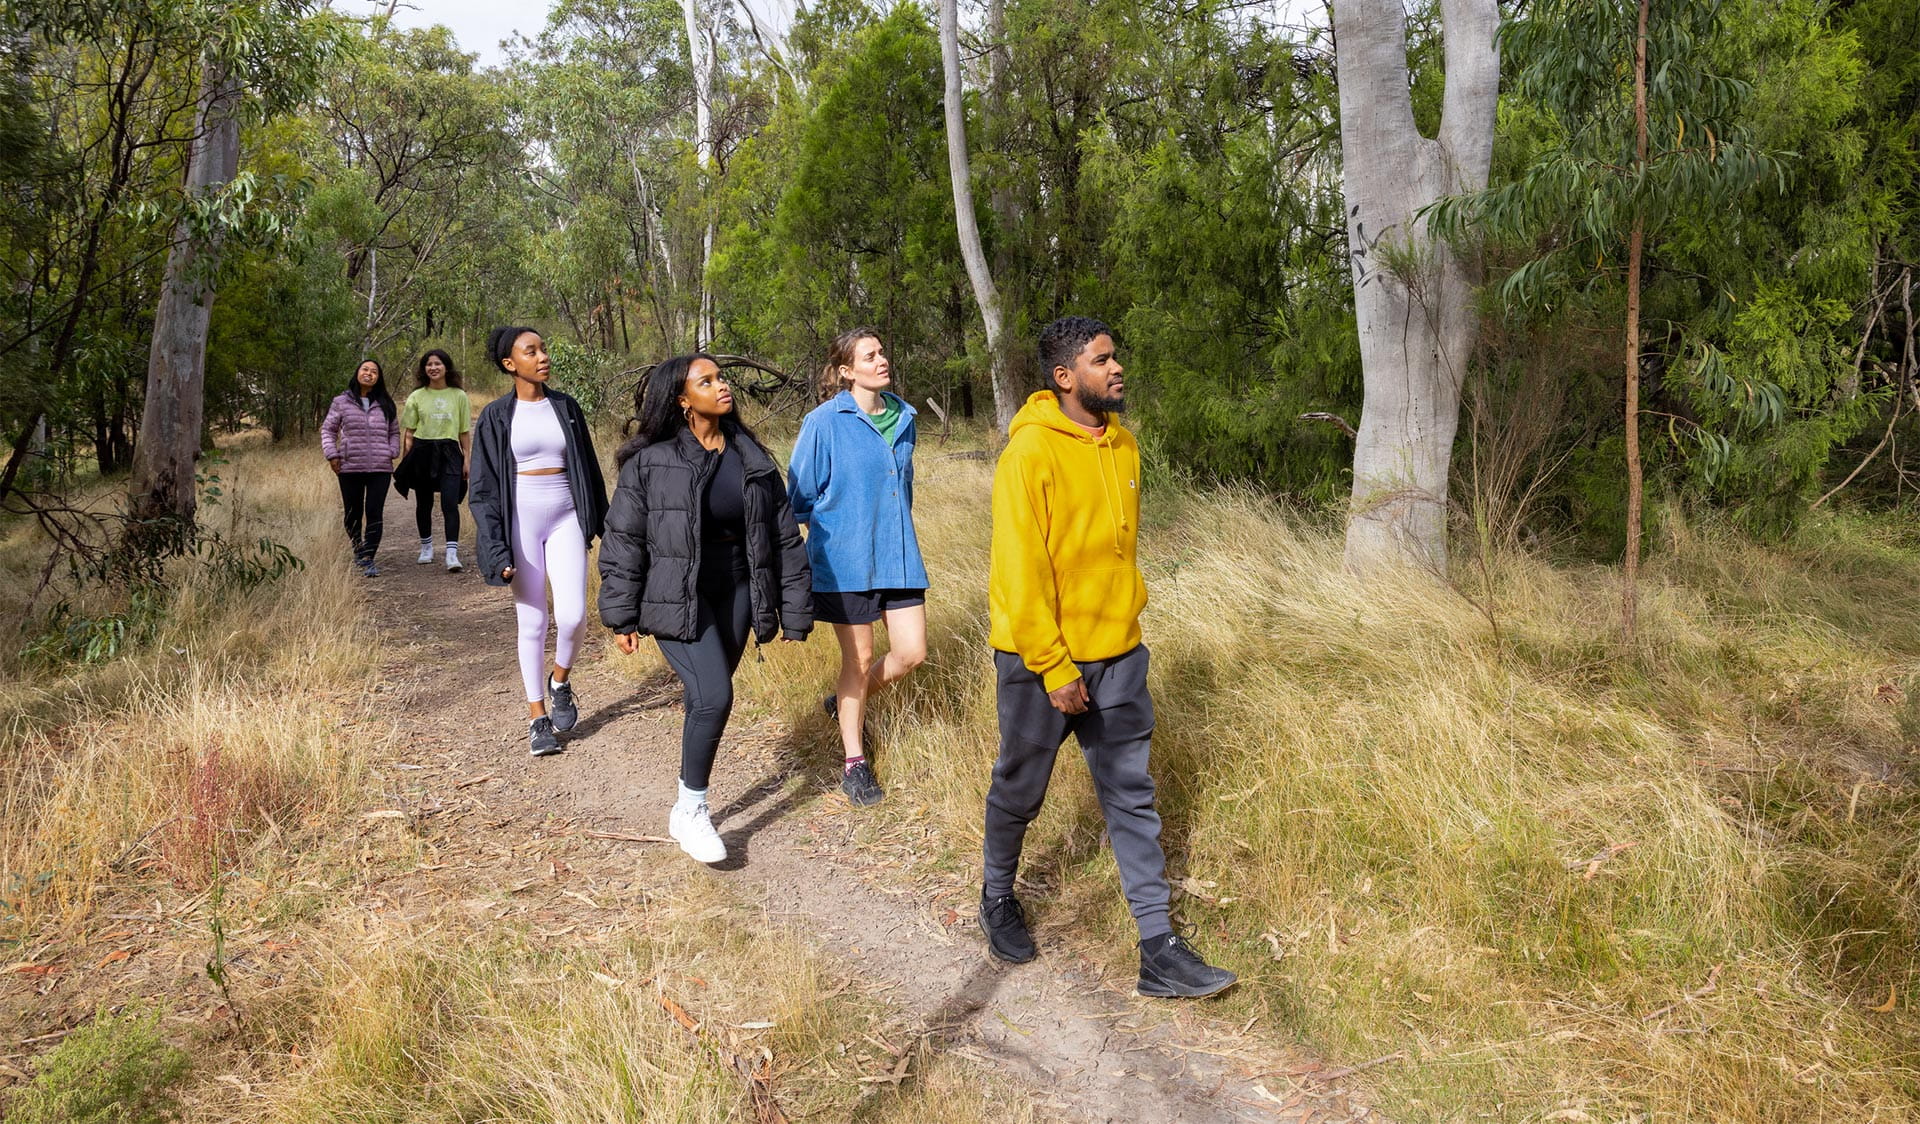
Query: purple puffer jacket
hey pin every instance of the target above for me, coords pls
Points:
(364, 440)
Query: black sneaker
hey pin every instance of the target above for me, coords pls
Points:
(541, 739)
(560, 705)
(831, 704)
(861, 786)
(1005, 924)
(1169, 967)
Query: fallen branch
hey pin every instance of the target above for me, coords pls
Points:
(1330, 419)
(626, 837)
(1329, 1076)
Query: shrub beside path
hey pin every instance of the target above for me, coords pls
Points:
(1079, 1041)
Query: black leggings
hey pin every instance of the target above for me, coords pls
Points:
(705, 666)
(364, 496)
(449, 493)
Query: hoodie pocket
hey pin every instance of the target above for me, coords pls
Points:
(1100, 610)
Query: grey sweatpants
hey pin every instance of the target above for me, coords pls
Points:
(1115, 733)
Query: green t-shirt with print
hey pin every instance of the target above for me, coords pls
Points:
(437, 415)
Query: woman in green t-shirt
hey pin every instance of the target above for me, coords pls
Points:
(436, 429)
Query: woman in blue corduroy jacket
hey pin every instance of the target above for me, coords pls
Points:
(851, 484)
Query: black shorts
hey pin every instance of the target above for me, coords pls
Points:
(863, 607)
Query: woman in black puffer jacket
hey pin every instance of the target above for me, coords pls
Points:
(700, 548)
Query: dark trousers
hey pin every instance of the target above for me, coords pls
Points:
(1115, 733)
(448, 489)
(706, 663)
(364, 496)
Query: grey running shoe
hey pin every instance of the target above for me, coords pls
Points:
(540, 737)
(1005, 924)
(861, 786)
(369, 569)
(426, 552)
(561, 706)
(1169, 968)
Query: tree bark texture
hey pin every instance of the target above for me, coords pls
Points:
(700, 51)
(163, 459)
(1636, 242)
(1006, 397)
(1413, 295)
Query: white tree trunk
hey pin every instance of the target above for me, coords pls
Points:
(163, 484)
(700, 51)
(1413, 296)
(1006, 398)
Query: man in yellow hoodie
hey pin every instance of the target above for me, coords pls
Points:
(1066, 596)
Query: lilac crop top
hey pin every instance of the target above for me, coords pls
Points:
(538, 440)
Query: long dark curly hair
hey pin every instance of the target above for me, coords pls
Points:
(657, 415)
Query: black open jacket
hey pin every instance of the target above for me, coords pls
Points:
(650, 561)
(490, 494)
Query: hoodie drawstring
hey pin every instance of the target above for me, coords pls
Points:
(1110, 484)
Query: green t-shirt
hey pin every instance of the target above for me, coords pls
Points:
(888, 419)
(437, 415)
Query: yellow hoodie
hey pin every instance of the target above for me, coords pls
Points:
(1063, 585)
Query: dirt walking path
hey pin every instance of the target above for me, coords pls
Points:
(1083, 1044)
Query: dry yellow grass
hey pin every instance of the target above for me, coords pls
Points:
(225, 726)
(510, 1031)
(112, 798)
(1388, 812)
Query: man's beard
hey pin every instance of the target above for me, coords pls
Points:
(1095, 402)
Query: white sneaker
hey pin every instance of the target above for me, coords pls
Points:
(693, 830)
(426, 551)
(453, 559)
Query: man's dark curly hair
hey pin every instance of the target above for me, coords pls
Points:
(1063, 340)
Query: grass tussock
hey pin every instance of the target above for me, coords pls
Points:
(215, 741)
(1560, 873)
(692, 1015)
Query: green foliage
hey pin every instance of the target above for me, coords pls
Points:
(601, 380)
(1222, 248)
(1171, 169)
(1752, 266)
(115, 1070)
(863, 230)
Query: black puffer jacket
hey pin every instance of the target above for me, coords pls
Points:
(490, 491)
(650, 559)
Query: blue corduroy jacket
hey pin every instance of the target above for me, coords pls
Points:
(855, 495)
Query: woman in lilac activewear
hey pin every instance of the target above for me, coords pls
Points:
(538, 499)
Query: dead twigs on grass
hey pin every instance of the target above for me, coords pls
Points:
(759, 1076)
(1708, 988)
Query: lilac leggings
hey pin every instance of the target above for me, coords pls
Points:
(548, 549)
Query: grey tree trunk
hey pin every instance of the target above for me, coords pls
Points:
(700, 51)
(162, 484)
(1006, 398)
(1413, 295)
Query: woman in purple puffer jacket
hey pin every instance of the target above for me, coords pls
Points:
(361, 440)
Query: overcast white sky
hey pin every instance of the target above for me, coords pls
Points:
(480, 25)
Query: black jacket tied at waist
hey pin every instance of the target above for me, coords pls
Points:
(428, 465)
